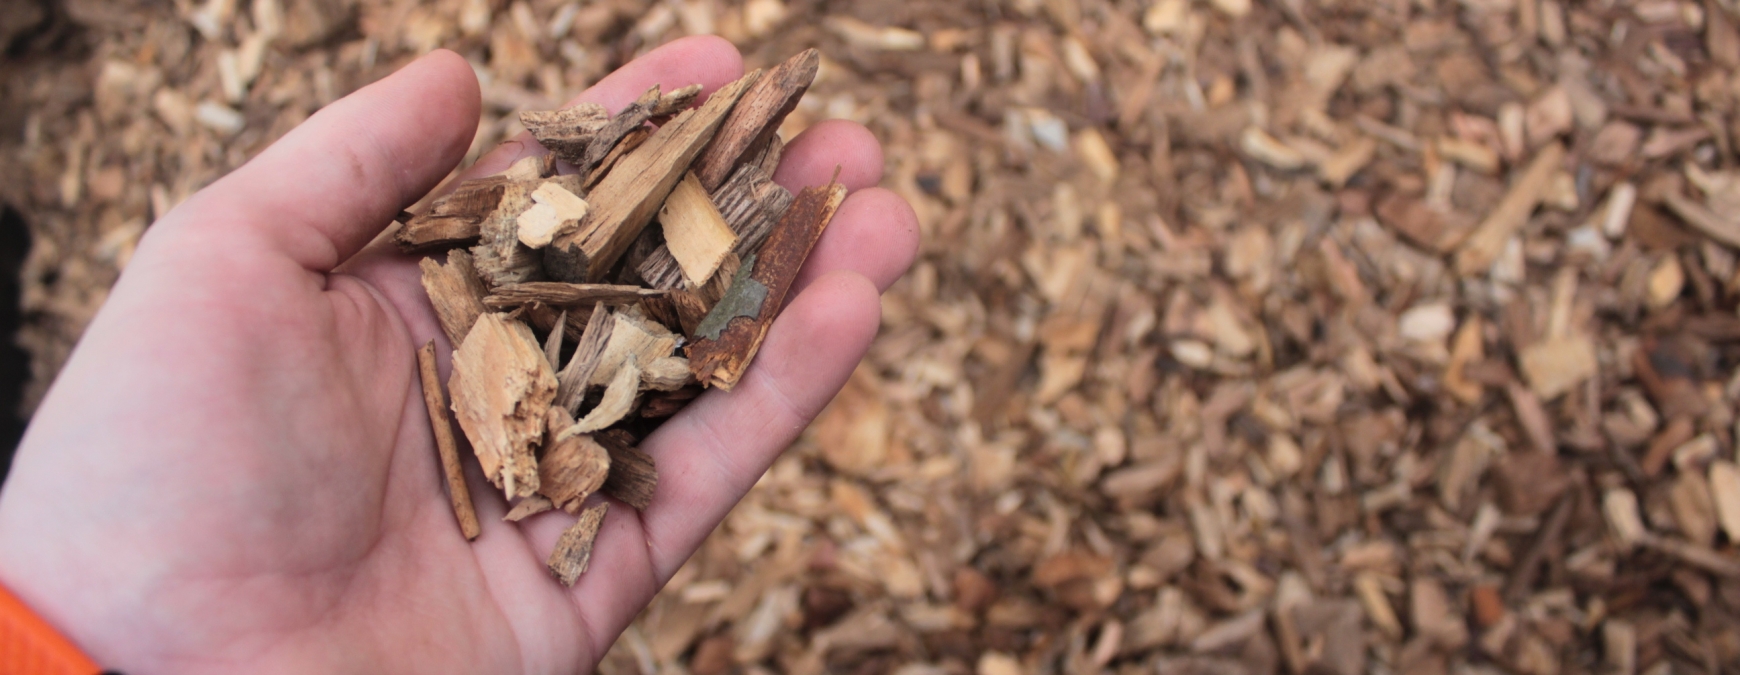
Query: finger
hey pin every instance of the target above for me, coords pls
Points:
(710, 61)
(875, 233)
(712, 453)
(810, 159)
(329, 186)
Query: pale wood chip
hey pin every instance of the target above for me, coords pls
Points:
(501, 387)
(696, 235)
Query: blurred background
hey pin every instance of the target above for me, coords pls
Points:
(1307, 336)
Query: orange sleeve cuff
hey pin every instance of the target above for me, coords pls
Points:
(29, 646)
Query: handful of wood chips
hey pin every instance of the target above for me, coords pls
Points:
(578, 327)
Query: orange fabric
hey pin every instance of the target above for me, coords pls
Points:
(29, 646)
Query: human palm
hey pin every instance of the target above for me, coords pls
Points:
(235, 470)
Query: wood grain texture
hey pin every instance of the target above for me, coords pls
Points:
(634, 476)
(566, 132)
(499, 256)
(502, 387)
(571, 469)
(455, 292)
(757, 117)
(628, 197)
(435, 400)
(574, 550)
(455, 219)
(558, 294)
(720, 362)
(750, 202)
(574, 378)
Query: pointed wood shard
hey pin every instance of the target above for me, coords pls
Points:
(633, 474)
(571, 469)
(590, 350)
(435, 400)
(455, 292)
(625, 201)
(553, 343)
(527, 508)
(721, 361)
(502, 387)
(574, 550)
(757, 118)
(557, 294)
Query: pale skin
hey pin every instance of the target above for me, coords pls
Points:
(235, 471)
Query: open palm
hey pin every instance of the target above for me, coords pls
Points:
(235, 472)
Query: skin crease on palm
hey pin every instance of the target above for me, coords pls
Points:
(235, 472)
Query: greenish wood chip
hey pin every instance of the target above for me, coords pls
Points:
(743, 299)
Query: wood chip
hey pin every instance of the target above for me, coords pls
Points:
(619, 397)
(566, 132)
(588, 353)
(435, 401)
(633, 341)
(1478, 252)
(455, 292)
(501, 387)
(626, 200)
(455, 219)
(757, 294)
(633, 474)
(696, 235)
(573, 468)
(558, 294)
(528, 507)
(757, 117)
(1725, 488)
(574, 550)
(554, 211)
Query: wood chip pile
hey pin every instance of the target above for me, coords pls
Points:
(1334, 337)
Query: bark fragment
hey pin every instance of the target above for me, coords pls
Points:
(435, 400)
(574, 550)
(720, 361)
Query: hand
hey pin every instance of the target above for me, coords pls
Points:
(235, 471)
